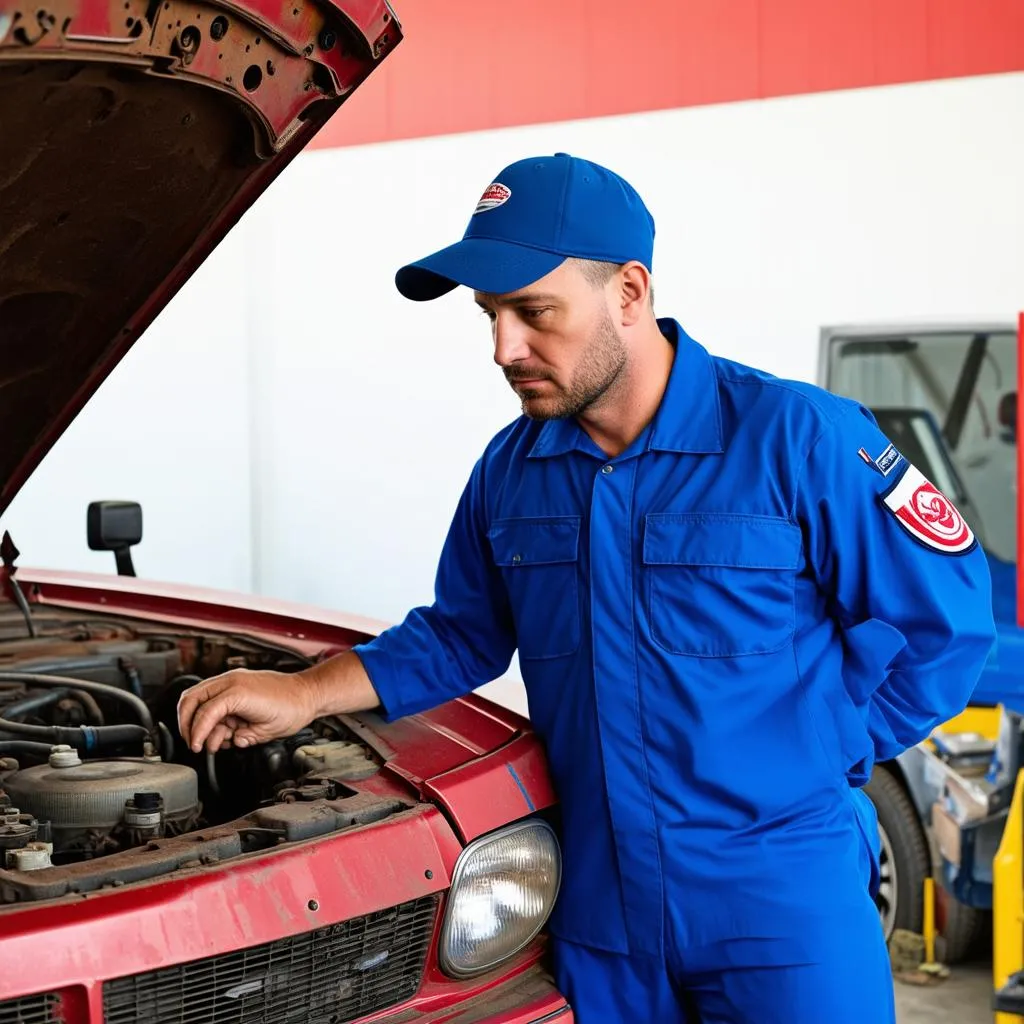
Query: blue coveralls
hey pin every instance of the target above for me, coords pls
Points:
(720, 631)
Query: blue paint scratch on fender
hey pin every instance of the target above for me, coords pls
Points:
(522, 788)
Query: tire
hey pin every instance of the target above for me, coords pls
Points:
(905, 865)
(905, 862)
(963, 928)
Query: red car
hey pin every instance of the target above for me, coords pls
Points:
(357, 871)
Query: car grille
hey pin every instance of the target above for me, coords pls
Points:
(327, 976)
(41, 1009)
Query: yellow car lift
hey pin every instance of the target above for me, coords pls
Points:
(1008, 915)
(1008, 869)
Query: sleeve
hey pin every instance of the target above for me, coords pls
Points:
(464, 639)
(904, 576)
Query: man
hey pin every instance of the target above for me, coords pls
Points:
(730, 595)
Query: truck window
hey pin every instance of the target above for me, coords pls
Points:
(948, 401)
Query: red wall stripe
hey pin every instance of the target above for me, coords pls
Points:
(466, 65)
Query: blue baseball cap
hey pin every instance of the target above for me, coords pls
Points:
(536, 214)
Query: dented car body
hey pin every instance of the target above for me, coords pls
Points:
(357, 871)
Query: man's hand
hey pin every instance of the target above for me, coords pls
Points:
(244, 707)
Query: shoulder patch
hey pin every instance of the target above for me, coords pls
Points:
(927, 514)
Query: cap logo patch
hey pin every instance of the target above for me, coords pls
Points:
(928, 515)
(493, 196)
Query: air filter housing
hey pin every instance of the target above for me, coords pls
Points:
(90, 797)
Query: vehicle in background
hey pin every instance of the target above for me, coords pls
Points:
(947, 396)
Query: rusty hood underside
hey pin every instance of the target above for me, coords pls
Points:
(133, 135)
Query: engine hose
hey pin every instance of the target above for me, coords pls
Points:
(40, 700)
(168, 741)
(66, 666)
(85, 737)
(92, 709)
(63, 665)
(211, 772)
(88, 686)
(25, 747)
(23, 707)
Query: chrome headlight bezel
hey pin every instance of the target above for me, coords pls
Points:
(464, 862)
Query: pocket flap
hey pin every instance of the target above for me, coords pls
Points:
(721, 538)
(544, 541)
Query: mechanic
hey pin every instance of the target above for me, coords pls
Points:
(730, 595)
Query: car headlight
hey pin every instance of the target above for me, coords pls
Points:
(502, 892)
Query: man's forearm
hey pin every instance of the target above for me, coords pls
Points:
(340, 686)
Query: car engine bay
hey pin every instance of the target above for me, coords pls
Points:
(97, 789)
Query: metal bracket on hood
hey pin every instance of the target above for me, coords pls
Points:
(277, 70)
(9, 555)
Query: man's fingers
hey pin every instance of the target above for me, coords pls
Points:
(220, 737)
(224, 732)
(190, 702)
(210, 713)
(245, 737)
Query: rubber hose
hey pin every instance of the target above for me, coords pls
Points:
(52, 668)
(23, 707)
(60, 668)
(88, 702)
(40, 700)
(97, 689)
(168, 741)
(211, 772)
(84, 737)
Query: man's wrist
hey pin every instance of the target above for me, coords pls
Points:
(315, 694)
(333, 687)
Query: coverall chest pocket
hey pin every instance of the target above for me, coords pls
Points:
(539, 558)
(721, 585)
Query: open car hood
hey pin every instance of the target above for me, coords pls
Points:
(133, 135)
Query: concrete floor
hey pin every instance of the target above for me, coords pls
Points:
(965, 997)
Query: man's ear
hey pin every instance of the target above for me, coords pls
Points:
(634, 292)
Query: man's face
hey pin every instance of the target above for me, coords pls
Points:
(556, 342)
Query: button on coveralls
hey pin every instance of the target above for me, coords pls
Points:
(720, 631)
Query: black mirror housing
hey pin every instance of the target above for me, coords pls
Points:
(115, 526)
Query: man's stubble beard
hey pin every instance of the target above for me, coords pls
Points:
(598, 371)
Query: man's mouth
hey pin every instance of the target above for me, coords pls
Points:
(521, 381)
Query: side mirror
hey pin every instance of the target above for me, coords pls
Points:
(1006, 414)
(115, 526)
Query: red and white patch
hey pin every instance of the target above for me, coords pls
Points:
(494, 195)
(928, 515)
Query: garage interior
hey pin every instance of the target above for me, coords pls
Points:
(838, 190)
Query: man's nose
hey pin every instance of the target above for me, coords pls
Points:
(510, 344)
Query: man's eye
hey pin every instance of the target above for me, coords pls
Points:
(533, 314)
(489, 313)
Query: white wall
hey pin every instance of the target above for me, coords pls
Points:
(366, 411)
(168, 428)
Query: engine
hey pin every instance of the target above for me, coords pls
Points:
(94, 790)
